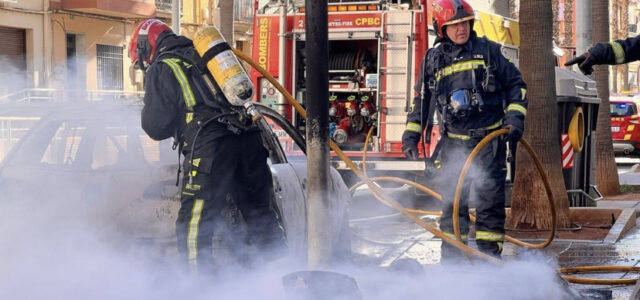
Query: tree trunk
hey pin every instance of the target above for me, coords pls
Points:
(529, 204)
(624, 32)
(615, 10)
(606, 169)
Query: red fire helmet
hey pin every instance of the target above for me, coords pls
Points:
(447, 12)
(144, 40)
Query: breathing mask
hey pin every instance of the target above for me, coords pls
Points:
(463, 103)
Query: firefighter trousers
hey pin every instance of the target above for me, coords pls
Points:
(484, 186)
(235, 168)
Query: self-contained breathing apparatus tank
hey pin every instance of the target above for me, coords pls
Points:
(223, 65)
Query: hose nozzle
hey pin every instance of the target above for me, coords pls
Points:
(252, 111)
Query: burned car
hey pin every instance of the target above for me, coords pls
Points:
(96, 155)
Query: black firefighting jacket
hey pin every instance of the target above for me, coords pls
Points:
(174, 103)
(477, 65)
(616, 52)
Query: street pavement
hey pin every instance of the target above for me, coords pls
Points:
(626, 168)
(385, 237)
(625, 163)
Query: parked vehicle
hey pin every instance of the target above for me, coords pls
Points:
(625, 125)
(96, 155)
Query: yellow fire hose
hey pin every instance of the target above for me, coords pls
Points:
(377, 192)
(414, 184)
(545, 180)
(381, 196)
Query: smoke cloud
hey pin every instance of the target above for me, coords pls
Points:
(68, 237)
(67, 249)
(56, 251)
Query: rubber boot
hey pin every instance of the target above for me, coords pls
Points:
(450, 255)
(491, 248)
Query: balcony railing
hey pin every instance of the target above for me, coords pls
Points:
(55, 95)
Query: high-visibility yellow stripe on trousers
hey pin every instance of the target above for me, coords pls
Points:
(464, 237)
(192, 234)
(489, 236)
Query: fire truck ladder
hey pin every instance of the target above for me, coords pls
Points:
(396, 71)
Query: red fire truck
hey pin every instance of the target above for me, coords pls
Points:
(375, 53)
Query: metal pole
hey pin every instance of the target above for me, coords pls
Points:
(47, 46)
(282, 51)
(175, 16)
(318, 219)
(583, 26)
(224, 20)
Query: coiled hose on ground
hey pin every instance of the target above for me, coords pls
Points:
(379, 194)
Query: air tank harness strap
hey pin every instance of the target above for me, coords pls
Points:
(211, 53)
(177, 144)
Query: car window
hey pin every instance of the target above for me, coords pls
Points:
(287, 143)
(92, 145)
(111, 147)
(62, 147)
(157, 152)
(12, 129)
(623, 109)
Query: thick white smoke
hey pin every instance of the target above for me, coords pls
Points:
(56, 246)
(53, 249)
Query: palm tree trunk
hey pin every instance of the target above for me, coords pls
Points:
(615, 10)
(529, 204)
(606, 169)
(624, 32)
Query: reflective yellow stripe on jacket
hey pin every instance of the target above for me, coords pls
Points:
(415, 127)
(618, 51)
(517, 107)
(459, 67)
(187, 93)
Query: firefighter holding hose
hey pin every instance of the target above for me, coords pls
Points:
(224, 157)
(475, 90)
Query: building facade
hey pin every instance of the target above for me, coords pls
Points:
(79, 45)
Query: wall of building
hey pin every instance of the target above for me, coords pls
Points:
(31, 17)
(198, 13)
(500, 7)
(90, 31)
(47, 25)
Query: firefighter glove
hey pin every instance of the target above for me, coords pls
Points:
(515, 133)
(410, 141)
(410, 151)
(585, 62)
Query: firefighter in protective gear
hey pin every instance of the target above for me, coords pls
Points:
(475, 90)
(612, 53)
(224, 157)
